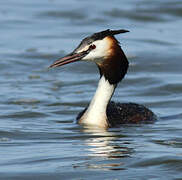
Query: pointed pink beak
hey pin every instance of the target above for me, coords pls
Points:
(73, 57)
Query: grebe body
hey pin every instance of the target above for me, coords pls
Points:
(104, 49)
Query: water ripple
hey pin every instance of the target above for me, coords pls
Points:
(38, 134)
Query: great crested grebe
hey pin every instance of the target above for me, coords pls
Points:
(104, 49)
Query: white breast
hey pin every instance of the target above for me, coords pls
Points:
(96, 112)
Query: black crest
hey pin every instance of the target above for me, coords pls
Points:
(98, 36)
(108, 32)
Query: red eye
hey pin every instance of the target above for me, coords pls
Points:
(92, 46)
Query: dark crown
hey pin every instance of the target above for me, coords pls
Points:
(98, 36)
(108, 32)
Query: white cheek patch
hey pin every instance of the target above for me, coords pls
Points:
(100, 52)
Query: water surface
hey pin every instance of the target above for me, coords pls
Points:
(38, 135)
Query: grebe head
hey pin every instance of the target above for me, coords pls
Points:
(97, 48)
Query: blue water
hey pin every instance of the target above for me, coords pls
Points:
(38, 107)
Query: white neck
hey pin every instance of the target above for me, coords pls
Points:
(96, 112)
